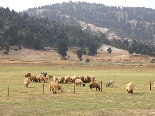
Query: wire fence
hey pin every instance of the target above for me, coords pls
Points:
(42, 88)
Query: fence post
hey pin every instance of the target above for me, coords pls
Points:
(150, 85)
(101, 86)
(74, 88)
(43, 88)
(8, 90)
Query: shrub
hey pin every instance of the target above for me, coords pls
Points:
(87, 60)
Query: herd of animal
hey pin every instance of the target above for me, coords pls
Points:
(78, 80)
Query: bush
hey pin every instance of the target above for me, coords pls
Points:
(87, 60)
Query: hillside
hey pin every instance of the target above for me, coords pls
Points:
(126, 22)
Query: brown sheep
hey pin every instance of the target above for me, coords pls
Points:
(55, 86)
(43, 79)
(51, 85)
(92, 78)
(130, 87)
(38, 78)
(87, 79)
(73, 78)
(78, 82)
(81, 77)
(26, 82)
(94, 85)
(27, 74)
(50, 77)
(33, 78)
(61, 79)
(67, 79)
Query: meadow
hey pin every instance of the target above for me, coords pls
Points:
(112, 101)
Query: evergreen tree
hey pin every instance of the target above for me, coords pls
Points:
(109, 50)
(62, 49)
(79, 54)
(6, 47)
(92, 49)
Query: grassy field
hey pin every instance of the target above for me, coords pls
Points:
(112, 101)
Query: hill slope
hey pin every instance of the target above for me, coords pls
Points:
(127, 22)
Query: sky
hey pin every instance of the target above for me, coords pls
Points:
(20, 5)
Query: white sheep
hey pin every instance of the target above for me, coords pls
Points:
(78, 82)
(55, 78)
(111, 82)
(130, 87)
(26, 82)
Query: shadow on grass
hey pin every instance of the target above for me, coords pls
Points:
(137, 93)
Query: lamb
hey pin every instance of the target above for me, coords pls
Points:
(26, 81)
(78, 82)
(111, 82)
(61, 79)
(27, 74)
(94, 85)
(130, 87)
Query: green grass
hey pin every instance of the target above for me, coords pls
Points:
(111, 101)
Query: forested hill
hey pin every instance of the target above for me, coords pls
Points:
(36, 33)
(128, 22)
(20, 29)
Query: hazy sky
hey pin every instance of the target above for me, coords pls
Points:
(19, 5)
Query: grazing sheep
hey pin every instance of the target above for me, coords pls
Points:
(38, 78)
(94, 85)
(55, 78)
(78, 82)
(61, 79)
(92, 78)
(111, 82)
(81, 77)
(67, 79)
(27, 74)
(73, 78)
(55, 86)
(87, 79)
(26, 82)
(51, 85)
(33, 78)
(130, 87)
(154, 84)
(43, 79)
(50, 77)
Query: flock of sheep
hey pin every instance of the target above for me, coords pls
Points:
(78, 80)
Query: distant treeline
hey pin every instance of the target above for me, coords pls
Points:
(20, 29)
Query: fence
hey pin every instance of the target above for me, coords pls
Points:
(74, 88)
